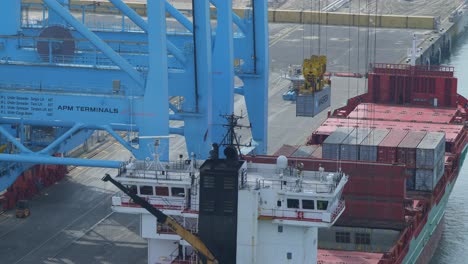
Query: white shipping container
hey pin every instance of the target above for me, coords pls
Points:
(430, 150)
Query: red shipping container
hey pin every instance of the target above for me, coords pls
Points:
(406, 153)
(358, 210)
(375, 185)
(387, 149)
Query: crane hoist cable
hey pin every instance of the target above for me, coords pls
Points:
(319, 27)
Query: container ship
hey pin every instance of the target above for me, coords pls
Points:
(403, 143)
(370, 186)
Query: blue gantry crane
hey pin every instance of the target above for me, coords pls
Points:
(65, 74)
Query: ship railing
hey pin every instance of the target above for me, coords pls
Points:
(194, 258)
(187, 259)
(405, 69)
(174, 166)
(398, 252)
(156, 175)
(297, 215)
(165, 203)
(292, 173)
(164, 229)
(338, 210)
(176, 171)
(296, 186)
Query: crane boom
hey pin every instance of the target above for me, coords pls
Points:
(162, 218)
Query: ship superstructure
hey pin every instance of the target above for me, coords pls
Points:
(273, 210)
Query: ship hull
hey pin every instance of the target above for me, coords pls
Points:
(423, 247)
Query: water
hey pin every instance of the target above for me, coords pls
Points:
(452, 247)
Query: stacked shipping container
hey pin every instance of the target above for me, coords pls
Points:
(350, 146)
(430, 161)
(453, 132)
(406, 153)
(304, 151)
(31, 182)
(331, 146)
(422, 153)
(296, 151)
(368, 147)
(387, 150)
(285, 150)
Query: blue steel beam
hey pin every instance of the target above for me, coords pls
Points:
(256, 85)
(177, 130)
(44, 159)
(214, 89)
(138, 20)
(155, 103)
(101, 45)
(223, 68)
(118, 138)
(179, 17)
(198, 126)
(235, 18)
(57, 123)
(13, 140)
(238, 21)
(51, 148)
(54, 18)
(10, 9)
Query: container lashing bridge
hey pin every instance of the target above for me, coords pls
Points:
(62, 78)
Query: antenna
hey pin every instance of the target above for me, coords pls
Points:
(153, 149)
(230, 140)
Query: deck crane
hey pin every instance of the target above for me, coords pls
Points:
(164, 219)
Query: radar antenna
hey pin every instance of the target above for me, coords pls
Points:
(231, 141)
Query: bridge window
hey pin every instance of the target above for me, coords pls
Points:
(343, 237)
(132, 188)
(177, 191)
(362, 238)
(322, 205)
(146, 190)
(162, 191)
(293, 203)
(308, 204)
